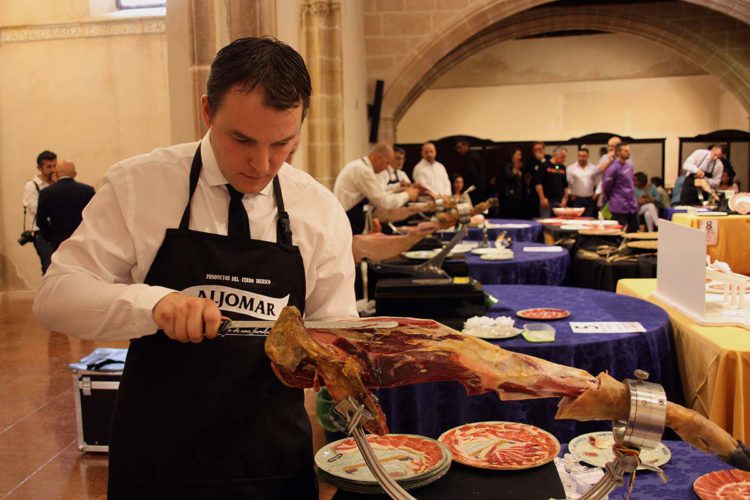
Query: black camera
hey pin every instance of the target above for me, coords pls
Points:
(26, 237)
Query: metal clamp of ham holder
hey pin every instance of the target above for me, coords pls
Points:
(643, 429)
(349, 416)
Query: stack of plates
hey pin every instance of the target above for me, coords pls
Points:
(413, 461)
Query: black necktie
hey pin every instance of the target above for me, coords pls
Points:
(239, 225)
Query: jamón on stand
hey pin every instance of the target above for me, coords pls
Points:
(350, 362)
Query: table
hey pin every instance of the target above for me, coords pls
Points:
(430, 409)
(530, 268)
(714, 364)
(733, 245)
(601, 274)
(532, 231)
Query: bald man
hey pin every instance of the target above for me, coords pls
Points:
(607, 160)
(59, 212)
(431, 174)
(358, 185)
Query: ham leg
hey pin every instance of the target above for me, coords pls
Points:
(350, 362)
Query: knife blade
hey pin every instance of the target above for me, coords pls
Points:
(263, 328)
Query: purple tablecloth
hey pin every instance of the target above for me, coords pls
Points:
(430, 409)
(686, 465)
(526, 268)
(531, 233)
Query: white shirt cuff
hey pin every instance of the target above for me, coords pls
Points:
(143, 308)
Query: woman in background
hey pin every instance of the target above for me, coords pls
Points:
(457, 185)
(511, 189)
(727, 182)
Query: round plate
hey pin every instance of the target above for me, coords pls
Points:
(546, 313)
(498, 254)
(723, 485)
(421, 254)
(584, 450)
(482, 251)
(404, 456)
(509, 333)
(501, 445)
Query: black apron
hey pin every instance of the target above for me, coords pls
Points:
(393, 180)
(356, 214)
(210, 420)
(689, 194)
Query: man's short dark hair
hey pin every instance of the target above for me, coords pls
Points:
(265, 62)
(723, 148)
(45, 156)
(399, 150)
(586, 150)
(642, 178)
(619, 146)
(657, 181)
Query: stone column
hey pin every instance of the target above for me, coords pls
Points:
(196, 30)
(321, 47)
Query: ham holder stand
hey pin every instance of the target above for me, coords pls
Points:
(643, 429)
(428, 291)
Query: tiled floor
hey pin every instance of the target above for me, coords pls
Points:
(39, 458)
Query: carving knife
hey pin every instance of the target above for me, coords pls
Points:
(263, 328)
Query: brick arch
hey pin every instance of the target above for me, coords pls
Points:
(491, 23)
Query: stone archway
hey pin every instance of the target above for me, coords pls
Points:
(494, 22)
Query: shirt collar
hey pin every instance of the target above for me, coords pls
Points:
(211, 172)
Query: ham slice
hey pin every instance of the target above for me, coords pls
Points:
(351, 362)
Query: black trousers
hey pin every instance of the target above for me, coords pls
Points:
(43, 249)
(629, 220)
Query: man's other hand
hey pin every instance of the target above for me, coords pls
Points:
(186, 319)
(413, 192)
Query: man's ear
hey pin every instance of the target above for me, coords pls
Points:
(206, 111)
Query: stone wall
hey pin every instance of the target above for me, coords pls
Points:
(411, 43)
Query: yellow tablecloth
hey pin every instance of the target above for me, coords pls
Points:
(733, 244)
(714, 364)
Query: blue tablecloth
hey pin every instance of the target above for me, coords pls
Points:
(531, 233)
(526, 268)
(686, 465)
(430, 409)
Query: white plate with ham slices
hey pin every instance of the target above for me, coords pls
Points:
(723, 485)
(501, 445)
(405, 457)
(595, 448)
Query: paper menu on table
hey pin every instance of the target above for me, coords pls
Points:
(606, 327)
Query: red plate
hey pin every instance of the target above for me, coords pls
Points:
(729, 484)
(545, 313)
(501, 445)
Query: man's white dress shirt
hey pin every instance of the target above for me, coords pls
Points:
(433, 176)
(700, 159)
(392, 174)
(31, 201)
(584, 182)
(94, 288)
(358, 181)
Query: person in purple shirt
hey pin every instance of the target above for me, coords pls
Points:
(617, 184)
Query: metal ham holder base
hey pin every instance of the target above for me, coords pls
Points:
(644, 428)
(349, 416)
